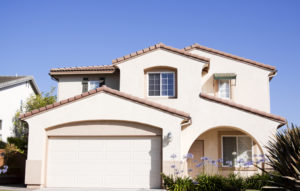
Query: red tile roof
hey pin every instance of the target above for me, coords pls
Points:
(105, 69)
(245, 108)
(159, 46)
(113, 92)
(252, 62)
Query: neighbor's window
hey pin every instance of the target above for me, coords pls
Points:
(161, 84)
(224, 89)
(236, 150)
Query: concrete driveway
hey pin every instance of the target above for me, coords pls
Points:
(96, 189)
(23, 188)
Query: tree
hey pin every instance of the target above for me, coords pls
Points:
(20, 128)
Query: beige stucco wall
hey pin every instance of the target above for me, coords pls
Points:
(101, 106)
(205, 114)
(69, 86)
(252, 83)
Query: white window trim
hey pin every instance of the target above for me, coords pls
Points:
(219, 95)
(160, 72)
(236, 147)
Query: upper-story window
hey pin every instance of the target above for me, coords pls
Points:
(161, 84)
(224, 89)
(92, 83)
(224, 84)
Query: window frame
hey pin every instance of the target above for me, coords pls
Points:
(160, 79)
(229, 84)
(236, 136)
(89, 82)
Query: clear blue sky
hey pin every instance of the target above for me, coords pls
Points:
(38, 35)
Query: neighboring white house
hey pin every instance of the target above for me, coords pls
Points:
(14, 90)
(121, 125)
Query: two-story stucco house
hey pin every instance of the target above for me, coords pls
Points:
(14, 91)
(120, 125)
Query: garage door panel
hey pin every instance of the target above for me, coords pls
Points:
(64, 145)
(91, 156)
(92, 181)
(116, 162)
(91, 145)
(110, 181)
(119, 156)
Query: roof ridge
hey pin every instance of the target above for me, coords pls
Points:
(110, 91)
(157, 46)
(278, 118)
(253, 62)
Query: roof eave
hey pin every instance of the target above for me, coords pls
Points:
(269, 116)
(183, 115)
(120, 60)
(245, 60)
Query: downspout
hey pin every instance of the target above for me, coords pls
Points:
(186, 123)
(272, 74)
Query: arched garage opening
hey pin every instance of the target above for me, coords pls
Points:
(224, 150)
(115, 154)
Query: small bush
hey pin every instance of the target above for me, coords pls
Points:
(20, 143)
(216, 182)
(257, 181)
(209, 183)
(2, 145)
(178, 183)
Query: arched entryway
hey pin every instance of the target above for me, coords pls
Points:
(224, 150)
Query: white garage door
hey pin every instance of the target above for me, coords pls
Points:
(115, 162)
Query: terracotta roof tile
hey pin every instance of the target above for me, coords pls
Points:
(107, 69)
(159, 46)
(245, 108)
(197, 46)
(84, 68)
(113, 92)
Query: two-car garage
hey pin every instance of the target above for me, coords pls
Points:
(106, 139)
(115, 162)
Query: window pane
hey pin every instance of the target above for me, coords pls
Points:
(229, 151)
(244, 149)
(168, 84)
(93, 85)
(151, 93)
(164, 75)
(224, 89)
(164, 93)
(154, 85)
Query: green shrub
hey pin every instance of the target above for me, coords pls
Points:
(284, 152)
(2, 145)
(257, 181)
(205, 182)
(233, 182)
(20, 143)
(178, 183)
(209, 182)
